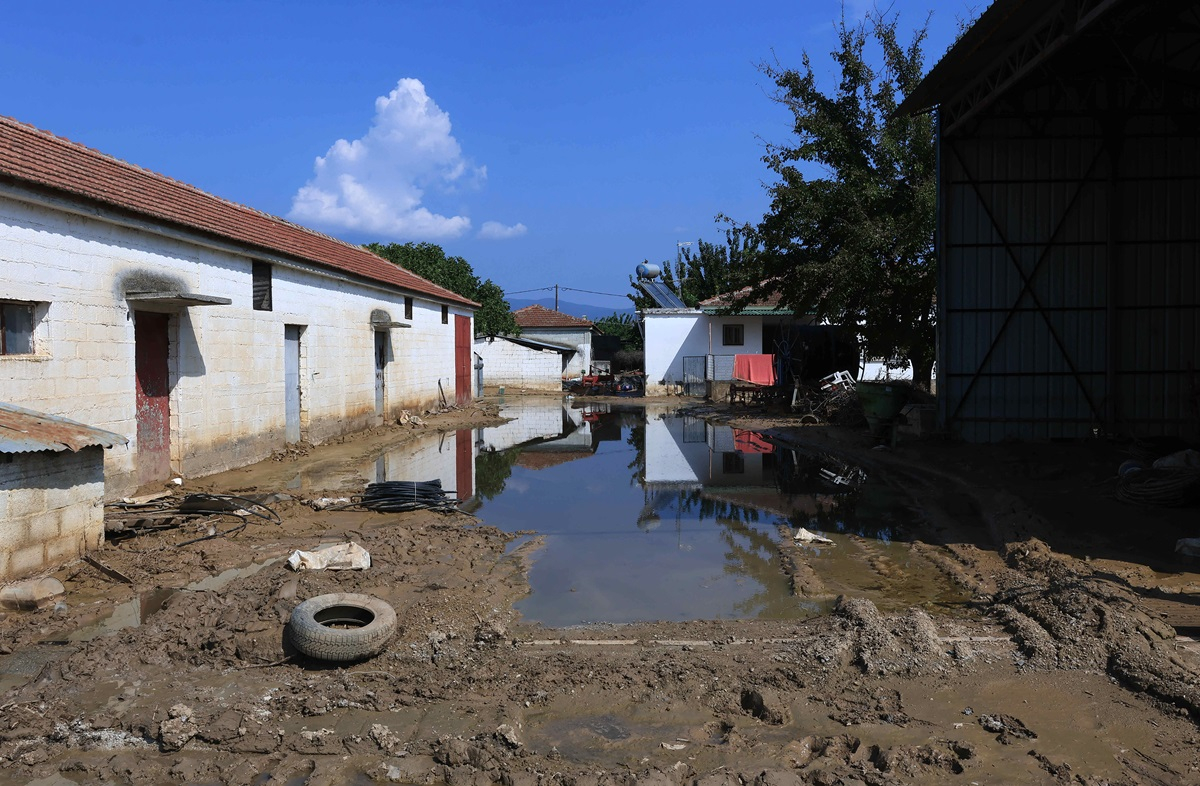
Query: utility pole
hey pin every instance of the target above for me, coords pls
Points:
(556, 297)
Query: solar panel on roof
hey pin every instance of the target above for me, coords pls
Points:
(661, 294)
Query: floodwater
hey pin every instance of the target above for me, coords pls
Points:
(643, 514)
(648, 515)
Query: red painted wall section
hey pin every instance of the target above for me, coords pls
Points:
(152, 347)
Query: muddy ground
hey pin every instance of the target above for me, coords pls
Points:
(1058, 670)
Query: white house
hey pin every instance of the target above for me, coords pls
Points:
(521, 363)
(553, 327)
(688, 349)
(208, 333)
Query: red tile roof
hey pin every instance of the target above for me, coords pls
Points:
(536, 316)
(770, 300)
(30, 156)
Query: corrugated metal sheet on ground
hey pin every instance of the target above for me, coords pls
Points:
(25, 431)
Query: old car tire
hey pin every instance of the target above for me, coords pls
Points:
(341, 626)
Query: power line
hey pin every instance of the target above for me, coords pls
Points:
(568, 289)
(590, 292)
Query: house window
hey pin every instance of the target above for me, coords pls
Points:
(733, 463)
(733, 335)
(408, 308)
(262, 286)
(445, 315)
(16, 328)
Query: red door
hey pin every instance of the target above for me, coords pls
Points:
(462, 359)
(153, 396)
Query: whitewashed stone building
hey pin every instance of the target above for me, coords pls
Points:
(208, 333)
(553, 327)
(521, 364)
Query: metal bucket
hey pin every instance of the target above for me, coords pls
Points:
(881, 403)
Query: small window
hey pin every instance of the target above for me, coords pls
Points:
(733, 335)
(408, 308)
(733, 463)
(16, 328)
(445, 315)
(262, 286)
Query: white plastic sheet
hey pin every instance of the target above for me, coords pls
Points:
(335, 556)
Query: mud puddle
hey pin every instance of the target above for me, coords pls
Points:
(647, 515)
(132, 613)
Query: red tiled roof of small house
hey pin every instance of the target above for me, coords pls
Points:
(30, 156)
(536, 316)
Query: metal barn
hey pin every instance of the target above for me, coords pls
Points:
(1069, 220)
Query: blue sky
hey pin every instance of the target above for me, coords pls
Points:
(548, 143)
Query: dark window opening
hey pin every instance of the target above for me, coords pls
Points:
(262, 286)
(408, 308)
(733, 335)
(733, 463)
(445, 315)
(16, 328)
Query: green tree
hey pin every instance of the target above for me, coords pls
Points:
(429, 260)
(854, 245)
(624, 327)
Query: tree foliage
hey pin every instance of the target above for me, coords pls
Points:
(712, 269)
(429, 260)
(854, 244)
(624, 327)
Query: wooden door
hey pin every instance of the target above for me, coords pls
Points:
(462, 359)
(153, 404)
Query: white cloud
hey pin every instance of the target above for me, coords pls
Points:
(494, 230)
(377, 183)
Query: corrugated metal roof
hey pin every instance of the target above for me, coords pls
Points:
(529, 342)
(25, 431)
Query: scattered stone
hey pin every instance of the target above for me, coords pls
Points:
(508, 735)
(1007, 728)
(384, 738)
(766, 705)
(178, 730)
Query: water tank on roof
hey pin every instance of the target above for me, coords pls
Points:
(646, 270)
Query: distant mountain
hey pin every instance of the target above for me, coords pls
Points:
(581, 310)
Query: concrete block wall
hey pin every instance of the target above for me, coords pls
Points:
(581, 339)
(51, 509)
(518, 367)
(226, 365)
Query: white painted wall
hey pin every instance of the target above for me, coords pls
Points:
(518, 367)
(580, 338)
(673, 335)
(226, 365)
(50, 508)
